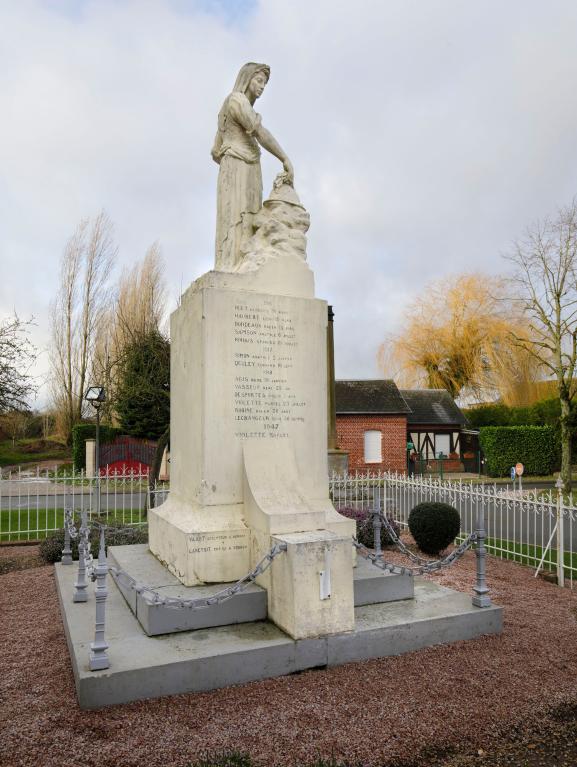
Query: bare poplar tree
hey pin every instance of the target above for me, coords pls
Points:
(138, 308)
(81, 301)
(545, 262)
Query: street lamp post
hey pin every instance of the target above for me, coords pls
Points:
(96, 396)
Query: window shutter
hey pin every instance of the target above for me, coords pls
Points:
(373, 447)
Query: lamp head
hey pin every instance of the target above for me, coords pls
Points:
(95, 395)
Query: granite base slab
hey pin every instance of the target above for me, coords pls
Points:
(142, 666)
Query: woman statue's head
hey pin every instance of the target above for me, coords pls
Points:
(251, 79)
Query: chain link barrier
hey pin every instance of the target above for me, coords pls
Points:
(379, 562)
(422, 566)
(69, 525)
(83, 535)
(153, 597)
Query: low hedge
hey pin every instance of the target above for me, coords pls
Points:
(365, 530)
(116, 535)
(83, 431)
(545, 412)
(536, 447)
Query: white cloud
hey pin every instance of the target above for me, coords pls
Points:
(425, 136)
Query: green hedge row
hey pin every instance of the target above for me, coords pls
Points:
(543, 413)
(83, 431)
(536, 447)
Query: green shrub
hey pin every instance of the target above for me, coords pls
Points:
(536, 447)
(83, 431)
(488, 415)
(434, 526)
(116, 535)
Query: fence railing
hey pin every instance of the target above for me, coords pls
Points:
(32, 503)
(535, 528)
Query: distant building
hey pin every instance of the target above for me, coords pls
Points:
(376, 422)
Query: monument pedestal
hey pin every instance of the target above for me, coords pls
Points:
(248, 444)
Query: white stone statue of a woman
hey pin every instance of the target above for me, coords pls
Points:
(236, 150)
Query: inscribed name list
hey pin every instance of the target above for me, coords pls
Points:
(267, 370)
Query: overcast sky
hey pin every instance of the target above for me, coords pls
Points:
(425, 135)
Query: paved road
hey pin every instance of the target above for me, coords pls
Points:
(83, 500)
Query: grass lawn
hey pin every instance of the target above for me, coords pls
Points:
(33, 525)
(530, 554)
(31, 451)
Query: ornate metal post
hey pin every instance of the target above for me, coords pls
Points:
(67, 550)
(377, 532)
(98, 656)
(80, 593)
(377, 524)
(481, 597)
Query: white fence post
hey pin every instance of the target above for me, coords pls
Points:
(560, 539)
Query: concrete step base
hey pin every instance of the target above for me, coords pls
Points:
(371, 586)
(149, 667)
(374, 586)
(137, 561)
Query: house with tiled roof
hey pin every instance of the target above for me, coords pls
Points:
(380, 426)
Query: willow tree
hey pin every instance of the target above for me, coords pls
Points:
(457, 336)
(545, 262)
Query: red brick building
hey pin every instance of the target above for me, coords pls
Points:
(376, 421)
(372, 425)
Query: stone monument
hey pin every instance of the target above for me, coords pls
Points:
(249, 398)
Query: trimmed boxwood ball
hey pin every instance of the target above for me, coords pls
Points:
(434, 526)
(365, 530)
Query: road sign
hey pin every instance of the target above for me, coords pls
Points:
(519, 469)
(513, 473)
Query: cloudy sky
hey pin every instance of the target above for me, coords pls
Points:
(425, 135)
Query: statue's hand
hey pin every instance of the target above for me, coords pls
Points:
(289, 170)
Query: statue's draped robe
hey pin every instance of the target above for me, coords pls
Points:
(239, 190)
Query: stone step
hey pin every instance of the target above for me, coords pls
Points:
(371, 586)
(144, 666)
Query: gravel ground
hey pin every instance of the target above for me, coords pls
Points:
(466, 701)
(19, 558)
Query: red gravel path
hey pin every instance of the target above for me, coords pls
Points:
(381, 712)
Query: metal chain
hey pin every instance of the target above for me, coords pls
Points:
(69, 523)
(377, 561)
(85, 539)
(84, 534)
(155, 598)
(428, 564)
(399, 544)
(427, 567)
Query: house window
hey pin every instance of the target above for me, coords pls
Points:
(442, 444)
(373, 452)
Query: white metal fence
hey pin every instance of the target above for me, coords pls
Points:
(535, 528)
(32, 503)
